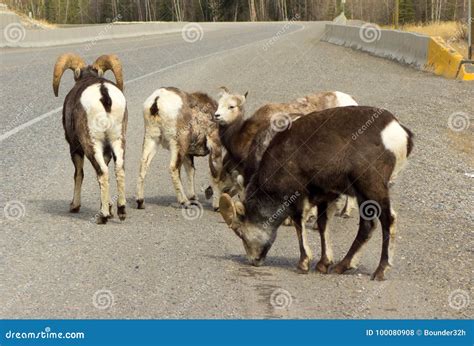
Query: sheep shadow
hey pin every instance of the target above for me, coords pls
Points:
(169, 201)
(287, 263)
(282, 262)
(55, 207)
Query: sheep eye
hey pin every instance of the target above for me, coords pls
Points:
(231, 107)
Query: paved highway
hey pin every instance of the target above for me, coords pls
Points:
(159, 264)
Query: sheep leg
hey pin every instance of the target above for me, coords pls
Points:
(216, 166)
(78, 160)
(305, 251)
(366, 228)
(387, 219)
(349, 205)
(119, 156)
(148, 152)
(188, 164)
(174, 168)
(102, 171)
(326, 212)
(107, 158)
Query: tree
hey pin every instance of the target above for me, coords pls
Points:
(407, 12)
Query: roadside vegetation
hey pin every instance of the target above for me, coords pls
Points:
(454, 33)
(375, 11)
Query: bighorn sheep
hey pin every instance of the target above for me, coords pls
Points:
(182, 123)
(312, 163)
(247, 139)
(95, 123)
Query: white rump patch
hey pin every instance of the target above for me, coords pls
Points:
(344, 100)
(395, 139)
(101, 123)
(169, 103)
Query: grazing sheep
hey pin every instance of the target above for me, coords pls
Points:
(247, 139)
(95, 123)
(313, 163)
(182, 123)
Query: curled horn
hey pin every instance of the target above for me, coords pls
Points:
(66, 61)
(224, 89)
(110, 62)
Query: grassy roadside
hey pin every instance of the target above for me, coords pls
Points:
(454, 33)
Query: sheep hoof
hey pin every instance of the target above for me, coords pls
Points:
(378, 275)
(122, 214)
(140, 204)
(323, 267)
(73, 209)
(339, 268)
(101, 219)
(303, 266)
(193, 199)
(216, 208)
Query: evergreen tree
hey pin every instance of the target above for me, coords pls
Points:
(407, 11)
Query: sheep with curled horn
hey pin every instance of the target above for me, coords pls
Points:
(95, 122)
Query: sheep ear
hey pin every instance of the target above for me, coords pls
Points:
(228, 212)
(242, 99)
(246, 93)
(77, 73)
(239, 209)
(227, 209)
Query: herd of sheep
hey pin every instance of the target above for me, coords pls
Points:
(315, 156)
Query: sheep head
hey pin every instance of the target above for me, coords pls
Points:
(230, 107)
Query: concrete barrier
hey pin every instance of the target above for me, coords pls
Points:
(406, 48)
(420, 51)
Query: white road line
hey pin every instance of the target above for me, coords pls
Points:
(21, 127)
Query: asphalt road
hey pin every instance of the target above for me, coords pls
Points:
(158, 264)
